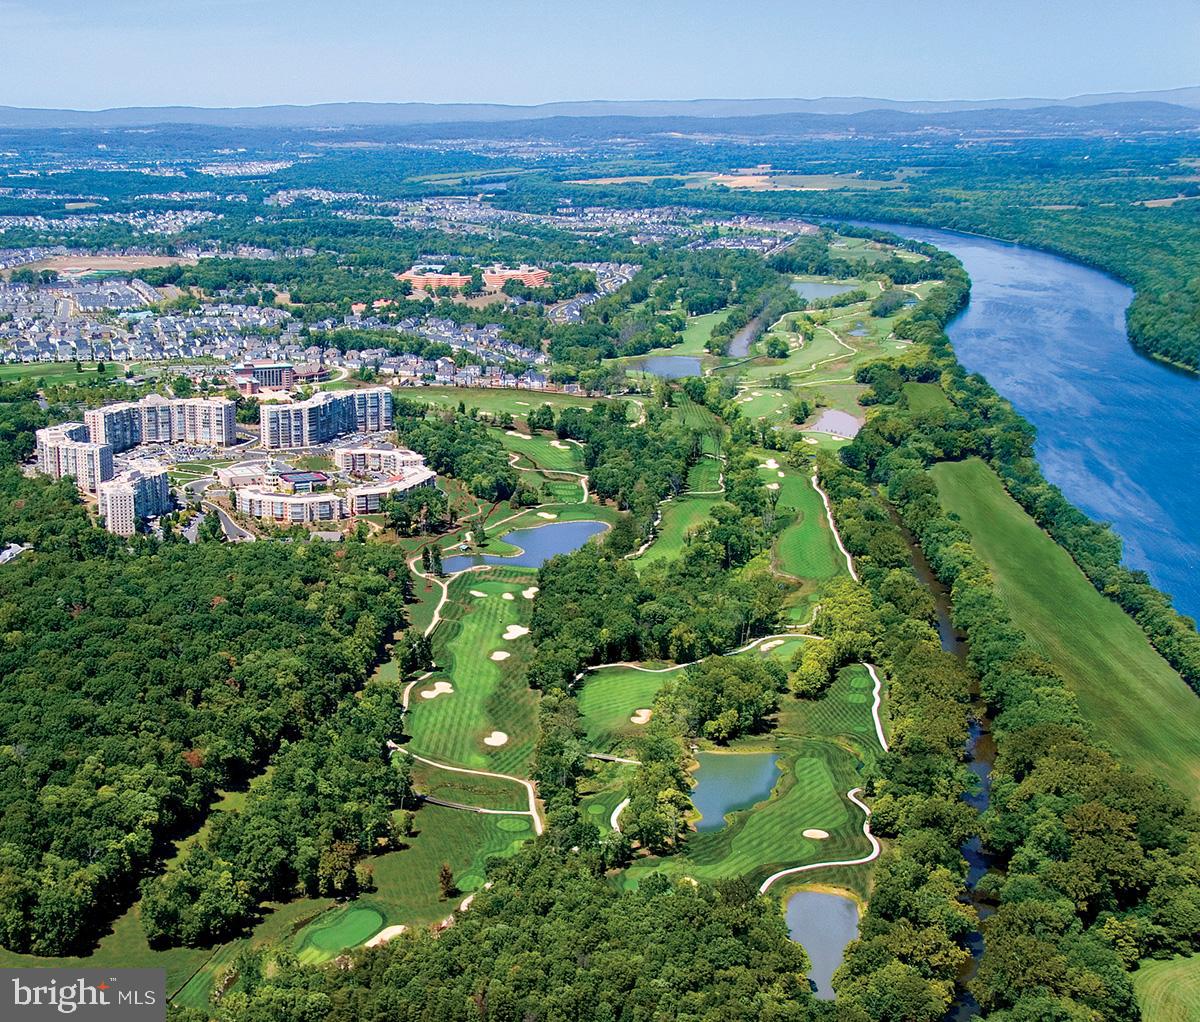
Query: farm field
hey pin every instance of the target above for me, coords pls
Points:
(1169, 991)
(1141, 708)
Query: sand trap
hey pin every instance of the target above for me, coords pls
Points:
(501, 654)
(466, 902)
(815, 834)
(810, 440)
(384, 935)
(508, 596)
(530, 593)
(515, 632)
(780, 474)
(477, 594)
(771, 645)
(560, 445)
(770, 463)
(519, 436)
(641, 716)
(549, 516)
(495, 739)
(756, 393)
(525, 403)
(441, 688)
(772, 486)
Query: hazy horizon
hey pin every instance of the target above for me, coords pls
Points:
(245, 53)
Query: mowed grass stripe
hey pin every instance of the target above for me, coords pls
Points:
(488, 695)
(609, 698)
(1169, 991)
(1141, 707)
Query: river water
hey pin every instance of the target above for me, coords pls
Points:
(1117, 431)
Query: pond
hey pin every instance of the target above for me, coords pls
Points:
(727, 782)
(823, 924)
(835, 423)
(537, 545)
(671, 367)
(810, 289)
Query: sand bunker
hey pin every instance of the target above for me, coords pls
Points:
(756, 393)
(514, 632)
(495, 739)
(770, 463)
(815, 834)
(771, 645)
(530, 593)
(384, 935)
(772, 486)
(641, 716)
(518, 435)
(476, 593)
(508, 596)
(560, 445)
(525, 403)
(547, 515)
(466, 902)
(811, 440)
(780, 474)
(501, 654)
(440, 688)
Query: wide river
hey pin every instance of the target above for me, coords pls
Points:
(1118, 432)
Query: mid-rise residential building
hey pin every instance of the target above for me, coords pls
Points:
(65, 450)
(429, 278)
(267, 374)
(531, 276)
(161, 420)
(375, 458)
(141, 491)
(370, 497)
(325, 416)
(290, 508)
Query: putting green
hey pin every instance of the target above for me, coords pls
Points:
(337, 932)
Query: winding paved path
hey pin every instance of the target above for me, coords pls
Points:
(876, 848)
(833, 527)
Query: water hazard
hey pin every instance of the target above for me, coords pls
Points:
(823, 923)
(537, 545)
(727, 782)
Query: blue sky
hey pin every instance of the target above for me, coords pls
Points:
(97, 53)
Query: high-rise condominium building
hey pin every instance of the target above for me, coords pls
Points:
(141, 491)
(160, 420)
(65, 450)
(325, 416)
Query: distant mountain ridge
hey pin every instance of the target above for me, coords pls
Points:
(329, 115)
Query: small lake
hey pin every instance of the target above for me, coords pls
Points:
(810, 289)
(823, 924)
(670, 367)
(727, 782)
(537, 545)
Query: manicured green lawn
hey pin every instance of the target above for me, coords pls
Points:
(1169, 991)
(544, 450)
(925, 397)
(497, 400)
(337, 929)
(705, 476)
(59, 372)
(1141, 708)
(609, 697)
(679, 517)
(489, 695)
(805, 549)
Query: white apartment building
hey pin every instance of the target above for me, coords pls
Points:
(156, 419)
(369, 497)
(65, 450)
(141, 491)
(290, 508)
(367, 458)
(324, 416)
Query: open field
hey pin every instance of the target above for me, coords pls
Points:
(1141, 708)
(58, 372)
(925, 397)
(488, 695)
(1169, 991)
(84, 263)
(498, 400)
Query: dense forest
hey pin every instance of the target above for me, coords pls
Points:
(138, 682)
